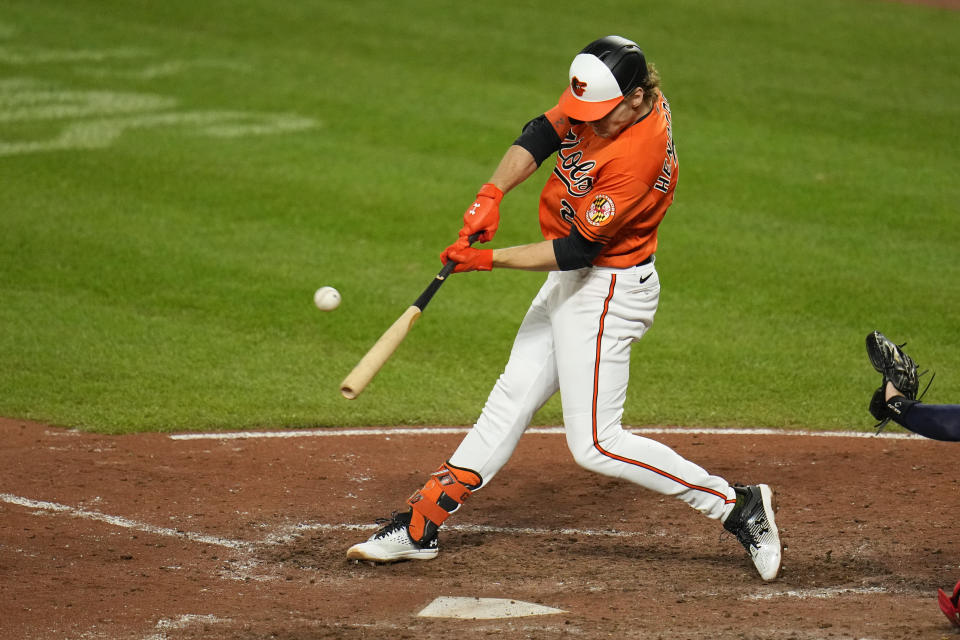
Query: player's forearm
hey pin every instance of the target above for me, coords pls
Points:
(516, 166)
(538, 256)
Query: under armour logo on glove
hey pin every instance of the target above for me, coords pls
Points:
(483, 216)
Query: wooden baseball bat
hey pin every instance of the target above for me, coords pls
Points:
(357, 380)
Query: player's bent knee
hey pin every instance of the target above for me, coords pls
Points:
(593, 455)
(590, 458)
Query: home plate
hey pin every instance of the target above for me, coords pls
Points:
(483, 608)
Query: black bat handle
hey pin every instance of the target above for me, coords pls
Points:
(425, 297)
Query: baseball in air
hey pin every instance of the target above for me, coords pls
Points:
(326, 298)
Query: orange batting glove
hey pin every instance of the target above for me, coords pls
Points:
(467, 258)
(483, 216)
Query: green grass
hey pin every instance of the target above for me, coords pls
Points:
(163, 280)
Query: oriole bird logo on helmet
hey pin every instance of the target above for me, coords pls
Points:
(577, 86)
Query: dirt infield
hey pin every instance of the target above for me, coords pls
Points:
(151, 537)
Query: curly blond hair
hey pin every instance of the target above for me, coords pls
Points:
(651, 86)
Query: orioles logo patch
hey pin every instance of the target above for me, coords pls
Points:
(601, 211)
(577, 86)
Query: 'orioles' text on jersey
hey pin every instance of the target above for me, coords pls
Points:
(616, 191)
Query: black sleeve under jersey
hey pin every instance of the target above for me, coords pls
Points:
(539, 138)
(936, 421)
(575, 251)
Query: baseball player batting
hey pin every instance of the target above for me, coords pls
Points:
(614, 179)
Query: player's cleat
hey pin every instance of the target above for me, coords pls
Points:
(752, 521)
(393, 543)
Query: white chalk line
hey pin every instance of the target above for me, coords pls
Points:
(125, 523)
(185, 621)
(315, 433)
(286, 534)
(415, 431)
(823, 593)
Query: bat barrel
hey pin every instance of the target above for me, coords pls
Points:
(350, 389)
(357, 380)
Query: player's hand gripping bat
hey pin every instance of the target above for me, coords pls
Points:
(357, 380)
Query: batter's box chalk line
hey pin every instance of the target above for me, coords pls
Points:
(289, 533)
(186, 621)
(416, 431)
(125, 523)
(820, 594)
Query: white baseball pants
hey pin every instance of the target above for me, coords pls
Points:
(576, 339)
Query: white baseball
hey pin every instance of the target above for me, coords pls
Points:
(326, 298)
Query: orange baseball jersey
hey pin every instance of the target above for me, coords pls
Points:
(616, 191)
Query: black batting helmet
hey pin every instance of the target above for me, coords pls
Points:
(600, 76)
